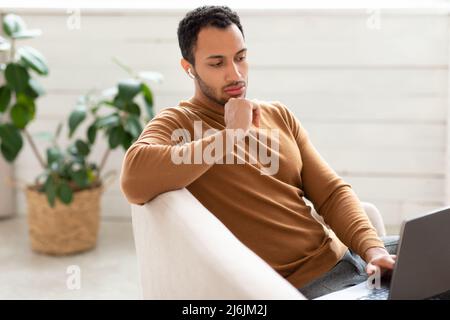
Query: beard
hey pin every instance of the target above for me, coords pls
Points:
(209, 92)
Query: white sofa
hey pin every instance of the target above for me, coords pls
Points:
(185, 252)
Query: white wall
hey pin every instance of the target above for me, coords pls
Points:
(373, 100)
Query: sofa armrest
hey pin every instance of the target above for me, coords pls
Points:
(185, 252)
(375, 217)
(371, 211)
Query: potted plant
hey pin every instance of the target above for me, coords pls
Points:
(66, 195)
(64, 200)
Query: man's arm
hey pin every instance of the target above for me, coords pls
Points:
(148, 168)
(333, 198)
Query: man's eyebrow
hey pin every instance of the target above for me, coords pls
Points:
(221, 56)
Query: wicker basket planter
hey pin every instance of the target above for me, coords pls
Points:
(63, 229)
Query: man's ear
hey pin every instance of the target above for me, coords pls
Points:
(186, 66)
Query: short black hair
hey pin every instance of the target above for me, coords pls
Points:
(189, 27)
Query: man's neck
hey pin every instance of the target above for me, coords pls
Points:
(202, 99)
(207, 104)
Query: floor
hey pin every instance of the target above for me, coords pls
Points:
(107, 272)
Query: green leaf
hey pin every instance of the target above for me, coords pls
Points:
(27, 34)
(91, 175)
(133, 126)
(50, 190)
(35, 88)
(119, 103)
(19, 115)
(53, 155)
(65, 193)
(11, 141)
(115, 136)
(72, 149)
(80, 177)
(33, 59)
(22, 114)
(44, 136)
(55, 167)
(127, 140)
(25, 99)
(17, 77)
(82, 147)
(13, 24)
(148, 99)
(76, 117)
(5, 98)
(92, 133)
(108, 121)
(133, 108)
(8, 153)
(128, 89)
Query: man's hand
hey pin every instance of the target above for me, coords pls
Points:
(379, 258)
(240, 113)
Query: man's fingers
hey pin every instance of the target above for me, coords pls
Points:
(384, 262)
(371, 269)
(256, 111)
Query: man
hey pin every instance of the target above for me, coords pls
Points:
(264, 208)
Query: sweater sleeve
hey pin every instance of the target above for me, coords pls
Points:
(150, 166)
(332, 197)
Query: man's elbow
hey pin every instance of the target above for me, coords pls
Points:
(133, 184)
(141, 184)
(132, 191)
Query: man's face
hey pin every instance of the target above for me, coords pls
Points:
(221, 63)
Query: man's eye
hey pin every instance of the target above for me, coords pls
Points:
(216, 64)
(242, 58)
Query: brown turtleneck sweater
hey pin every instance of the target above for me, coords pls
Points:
(266, 212)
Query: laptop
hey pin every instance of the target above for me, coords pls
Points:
(422, 269)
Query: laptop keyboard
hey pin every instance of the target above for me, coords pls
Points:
(376, 294)
(383, 294)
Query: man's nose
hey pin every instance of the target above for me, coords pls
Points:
(233, 73)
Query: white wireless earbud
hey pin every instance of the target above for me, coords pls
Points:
(190, 74)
